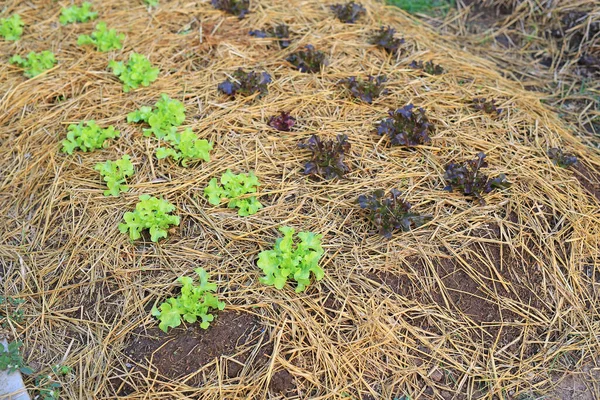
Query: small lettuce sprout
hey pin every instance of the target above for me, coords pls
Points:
(282, 122)
(308, 60)
(365, 90)
(88, 137)
(390, 213)
(348, 12)
(563, 160)
(103, 38)
(150, 213)
(292, 261)
(138, 71)
(429, 67)
(35, 63)
(246, 83)
(151, 3)
(385, 39)
(281, 32)
(74, 14)
(164, 119)
(239, 8)
(488, 107)
(234, 188)
(186, 147)
(114, 174)
(327, 159)
(11, 28)
(470, 180)
(193, 304)
(406, 127)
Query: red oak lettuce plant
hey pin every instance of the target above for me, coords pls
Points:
(390, 213)
(365, 90)
(429, 67)
(561, 159)
(246, 83)
(385, 39)
(308, 60)
(348, 12)
(470, 180)
(486, 106)
(327, 159)
(239, 8)
(280, 32)
(406, 127)
(282, 122)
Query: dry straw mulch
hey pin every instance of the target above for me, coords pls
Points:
(483, 301)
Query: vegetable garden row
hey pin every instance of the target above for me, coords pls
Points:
(294, 256)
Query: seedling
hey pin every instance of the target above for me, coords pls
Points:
(348, 12)
(151, 3)
(11, 28)
(74, 14)
(103, 38)
(193, 304)
(239, 8)
(87, 137)
(11, 360)
(234, 188)
(186, 147)
(292, 261)
(114, 174)
(563, 160)
(35, 63)
(47, 386)
(246, 83)
(365, 90)
(327, 160)
(487, 106)
(385, 39)
(281, 32)
(152, 214)
(308, 60)
(390, 213)
(282, 122)
(468, 179)
(429, 67)
(164, 119)
(406, 127)
(11, 310)
(138, 71)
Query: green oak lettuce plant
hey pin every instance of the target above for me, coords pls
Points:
(35, 63)
(11, 28)
(235, 188)
(138, 71)
(186, 147)
(103, 38)
(290, 261)
(87, 136)
(193, 304)
(74, 14)
(152, 214)
(163, 119)
(114, 174)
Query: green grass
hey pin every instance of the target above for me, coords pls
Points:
(423, 6)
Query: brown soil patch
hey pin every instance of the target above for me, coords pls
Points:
(234, 340)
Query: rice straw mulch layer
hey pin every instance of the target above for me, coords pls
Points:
(482, 301)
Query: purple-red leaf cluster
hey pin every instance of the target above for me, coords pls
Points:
(390, 213)
(348, 12)
(239, 8)
(406, 126)
(429, 67)
(246, 83)
(280, 32)
(470, 180)
(365, 90)
(282, 122)
(488, 107)
(327, 160)
(385, 39)
(308, 60)
(561, 159)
